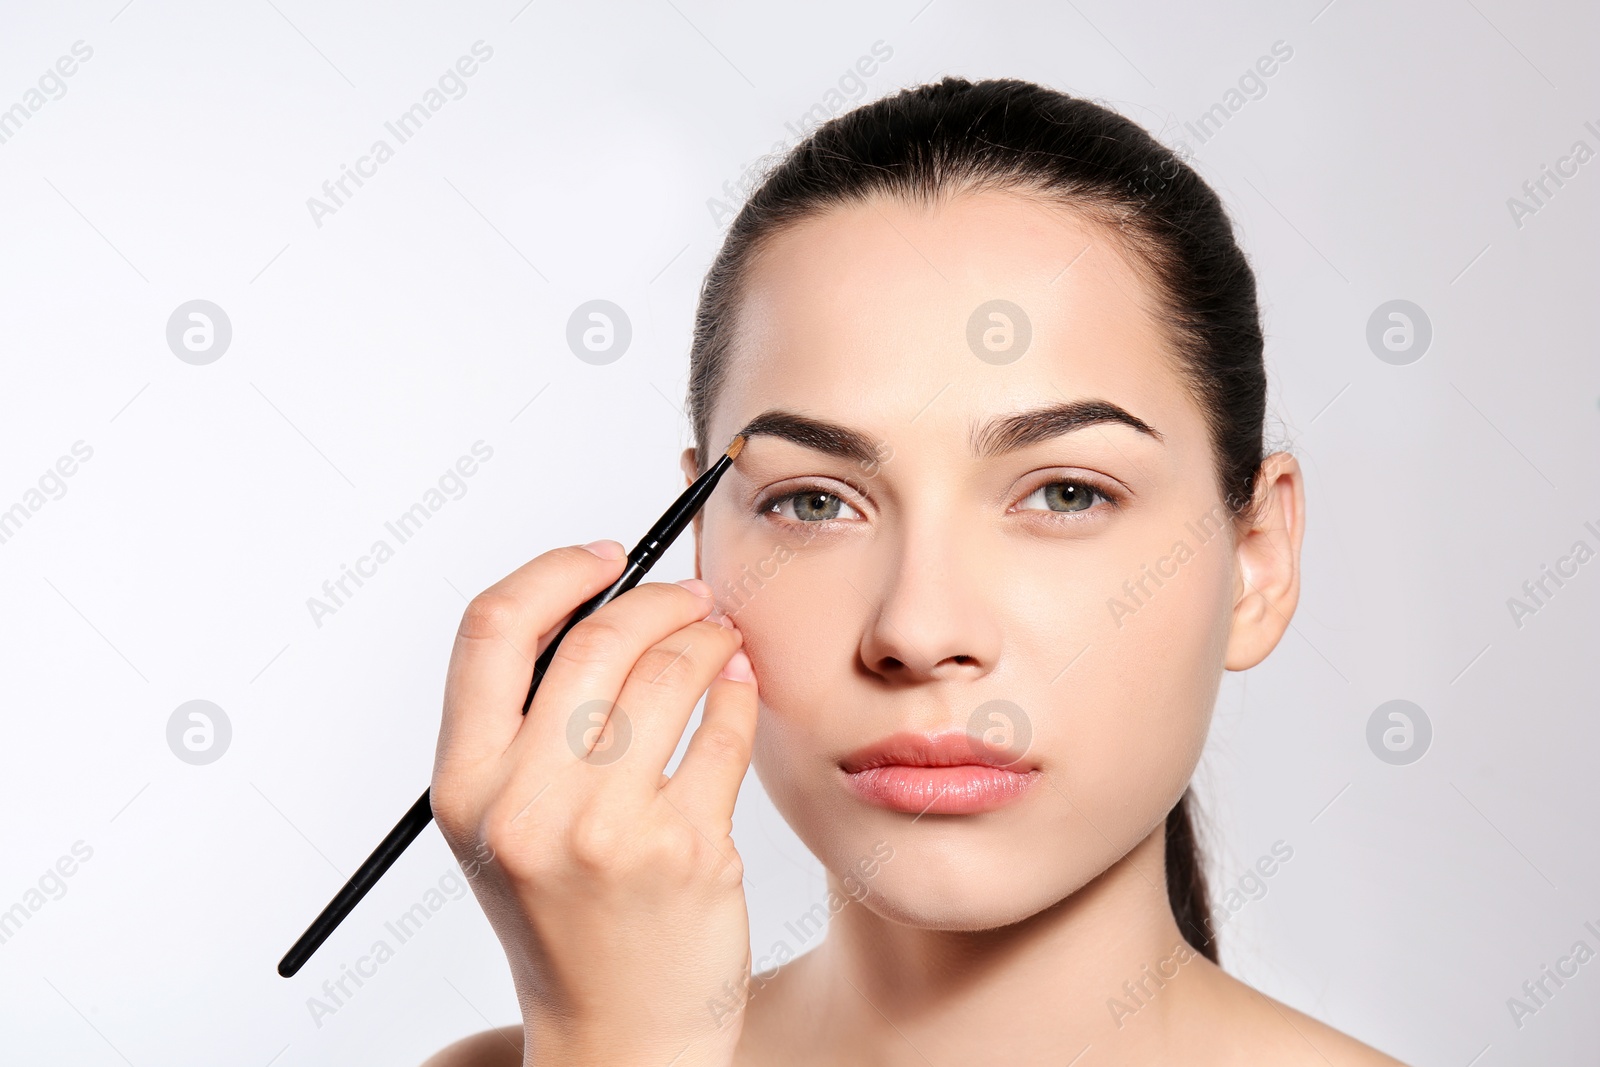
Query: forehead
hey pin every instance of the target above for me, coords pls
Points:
(874, 313)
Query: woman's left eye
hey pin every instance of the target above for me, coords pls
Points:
(1066, 497)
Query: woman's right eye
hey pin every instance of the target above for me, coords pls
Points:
(807, 506)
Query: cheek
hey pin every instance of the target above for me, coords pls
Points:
(802, 624)
(1139, 713)
(784, 606)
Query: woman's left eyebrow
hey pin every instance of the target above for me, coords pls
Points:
(1011, 432)
(996, 437)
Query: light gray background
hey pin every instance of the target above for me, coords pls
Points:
(430, 311)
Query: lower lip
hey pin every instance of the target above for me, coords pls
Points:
(962, 790)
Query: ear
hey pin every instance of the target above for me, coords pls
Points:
(690, 473)
(1267, 558)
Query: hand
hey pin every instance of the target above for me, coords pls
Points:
(616, 891)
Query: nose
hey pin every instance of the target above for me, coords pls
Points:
(933, 615)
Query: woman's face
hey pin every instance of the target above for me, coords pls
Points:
(1058, 590)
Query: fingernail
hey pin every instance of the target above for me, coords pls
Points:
(605, 549)
(695, 586)
(722, 620)
(738, 668)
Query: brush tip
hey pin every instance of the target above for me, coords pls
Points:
(736, 447)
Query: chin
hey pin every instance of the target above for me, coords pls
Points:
(914, 898)
(954, 872)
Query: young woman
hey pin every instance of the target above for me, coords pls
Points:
(1003, 519)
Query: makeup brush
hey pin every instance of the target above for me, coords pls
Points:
(640, 560)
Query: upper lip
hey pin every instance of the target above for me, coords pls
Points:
(951, 749)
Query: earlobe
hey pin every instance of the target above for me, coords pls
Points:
(1267, 565)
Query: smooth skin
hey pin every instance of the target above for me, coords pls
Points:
(930, 583)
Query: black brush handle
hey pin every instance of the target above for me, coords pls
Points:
(405, 831)
(415, 820)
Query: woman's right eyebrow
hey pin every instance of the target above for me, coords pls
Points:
(817, 434)
(997, 437)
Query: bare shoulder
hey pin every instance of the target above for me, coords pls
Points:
(1263, 1029)
(1315, 1042)
(491, 1048)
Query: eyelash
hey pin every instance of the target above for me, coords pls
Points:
(1111, 500)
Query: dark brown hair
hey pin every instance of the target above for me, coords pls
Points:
(930, 142)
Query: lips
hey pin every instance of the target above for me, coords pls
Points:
(945, 774)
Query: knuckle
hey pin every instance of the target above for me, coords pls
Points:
(729, 870)
(671, 852)
(496, 830)
(724, 744)
(490, 614)
(597, 840)
(489, 841)
(515, 842)
(451, 807)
